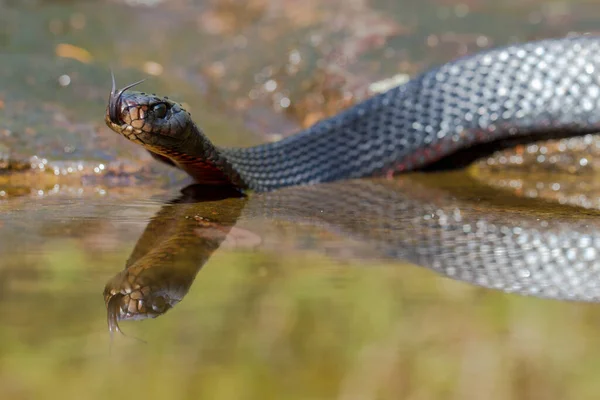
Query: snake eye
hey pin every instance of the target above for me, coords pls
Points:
(159, 304)
(160, 110)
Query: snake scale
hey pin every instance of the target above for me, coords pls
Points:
(460, 110)
(446, 117)
(487, 245)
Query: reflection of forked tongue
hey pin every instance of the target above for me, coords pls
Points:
(113, 309)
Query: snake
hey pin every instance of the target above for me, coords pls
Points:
(527, 249)
(446, 117)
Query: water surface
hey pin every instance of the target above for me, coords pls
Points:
(288, 303)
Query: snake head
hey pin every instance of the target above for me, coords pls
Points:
(147, 119)
(127, 299)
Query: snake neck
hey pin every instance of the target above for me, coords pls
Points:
(325, 152)
(345, 146)
(468, 107)
(201, 160)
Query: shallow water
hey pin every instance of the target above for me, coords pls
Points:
(300, 295)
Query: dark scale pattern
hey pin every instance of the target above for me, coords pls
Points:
(545, 87)
(513, 252)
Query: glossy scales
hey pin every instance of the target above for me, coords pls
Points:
(536, 89)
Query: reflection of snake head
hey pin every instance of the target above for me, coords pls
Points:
(127, 299)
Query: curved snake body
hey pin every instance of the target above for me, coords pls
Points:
(456, 112)
(529, 253)
(548, 88)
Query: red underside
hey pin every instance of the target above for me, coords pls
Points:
(203, 172)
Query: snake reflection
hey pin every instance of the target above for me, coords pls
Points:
(529, 248)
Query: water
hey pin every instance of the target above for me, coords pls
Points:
(298, 295)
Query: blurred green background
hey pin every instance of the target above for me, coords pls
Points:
(287, 320)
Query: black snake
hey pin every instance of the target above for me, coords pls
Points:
(447, 116)
(509, 248)
(454, 113)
